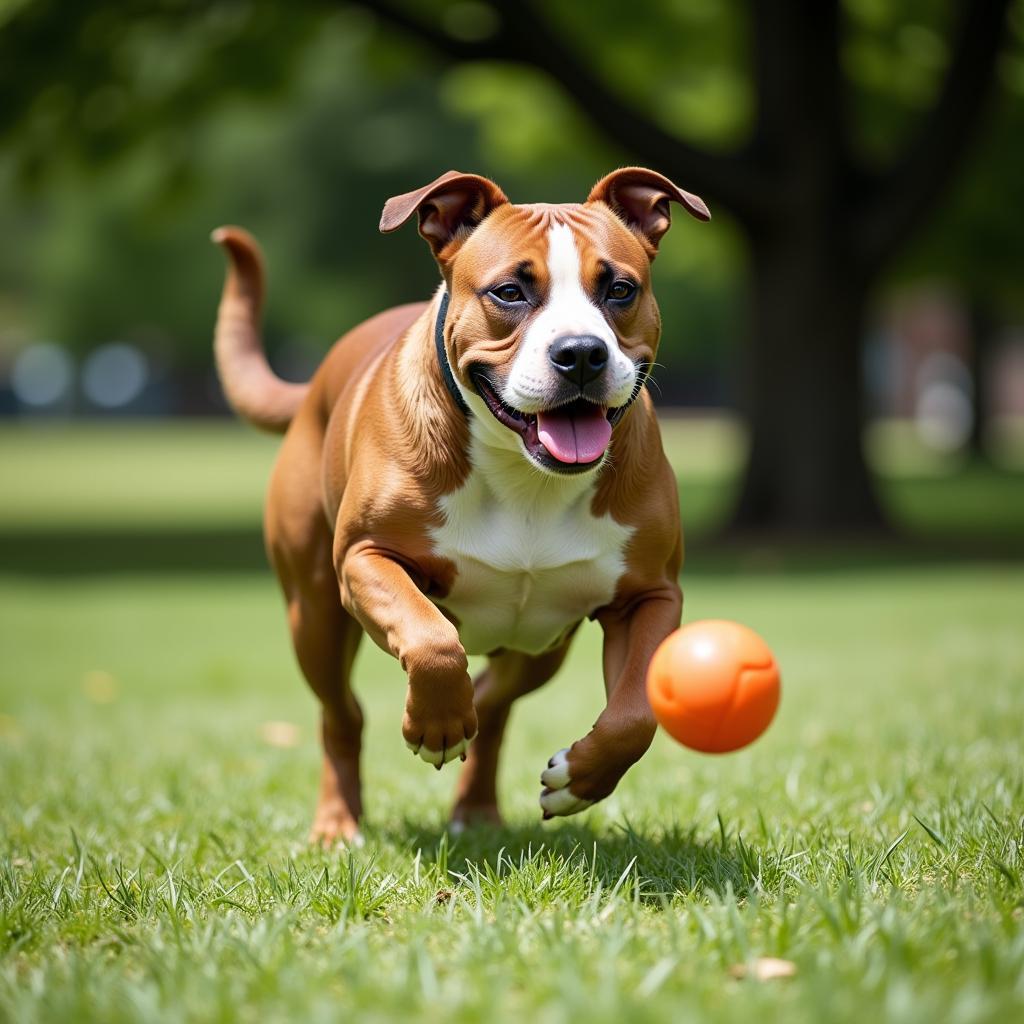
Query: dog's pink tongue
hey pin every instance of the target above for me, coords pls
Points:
(578, 436)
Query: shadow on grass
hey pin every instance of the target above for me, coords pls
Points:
(668, 863)
(86, 552)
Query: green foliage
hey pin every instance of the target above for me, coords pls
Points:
(301, 136)
(895, 56)
(686, 65)
(131, 129)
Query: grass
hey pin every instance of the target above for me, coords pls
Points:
(152, 863)
(127, 474)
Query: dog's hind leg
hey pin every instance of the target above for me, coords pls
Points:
(326, 639)
(324, 635)
(508, 676)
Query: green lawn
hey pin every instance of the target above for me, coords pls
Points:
(152, 862)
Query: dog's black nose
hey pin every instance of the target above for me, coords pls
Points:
(580, 358)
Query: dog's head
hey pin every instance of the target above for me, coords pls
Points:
(552, 325)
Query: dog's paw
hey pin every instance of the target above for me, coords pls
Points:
(441, 757)
(440, 739)
(556, 799)
(334, 829)
(473, 815)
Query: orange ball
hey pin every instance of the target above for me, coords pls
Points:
(714, 686)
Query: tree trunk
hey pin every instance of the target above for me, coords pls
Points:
(802, 392)
(982, 330)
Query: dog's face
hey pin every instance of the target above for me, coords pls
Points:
(552, 325)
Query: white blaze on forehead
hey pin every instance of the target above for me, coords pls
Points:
(568, 310)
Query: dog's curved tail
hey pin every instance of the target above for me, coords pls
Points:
(252, 388)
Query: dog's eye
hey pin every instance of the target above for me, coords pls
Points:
(621, 291)
(508, 293)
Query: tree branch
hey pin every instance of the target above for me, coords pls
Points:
(727, 179)
(898, 199)
(799, 132)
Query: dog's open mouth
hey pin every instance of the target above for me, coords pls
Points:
(569, 439)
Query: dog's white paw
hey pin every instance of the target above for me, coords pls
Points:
(440, 757)
(328, 835)
(555, 798)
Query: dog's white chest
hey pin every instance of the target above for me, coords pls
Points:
(529, 564)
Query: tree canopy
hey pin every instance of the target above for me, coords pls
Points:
(132, 127)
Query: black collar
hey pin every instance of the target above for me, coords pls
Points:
(442, 357)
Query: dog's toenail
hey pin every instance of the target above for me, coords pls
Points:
(547, 816)
(438, 765)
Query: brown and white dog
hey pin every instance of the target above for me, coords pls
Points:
(476, 475)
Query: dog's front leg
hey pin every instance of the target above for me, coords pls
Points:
(378, 591)
(590, 769)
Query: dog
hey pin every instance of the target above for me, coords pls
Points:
(475, 475)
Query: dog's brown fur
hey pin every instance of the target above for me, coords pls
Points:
(374, 443)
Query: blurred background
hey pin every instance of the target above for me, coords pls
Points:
(843, 353)
(841, 385)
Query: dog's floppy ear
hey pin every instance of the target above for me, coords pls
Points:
(448, 207)
(641, 198)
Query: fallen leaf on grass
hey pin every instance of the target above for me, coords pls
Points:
(100, 686)
(280, 734)
(764, 968)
